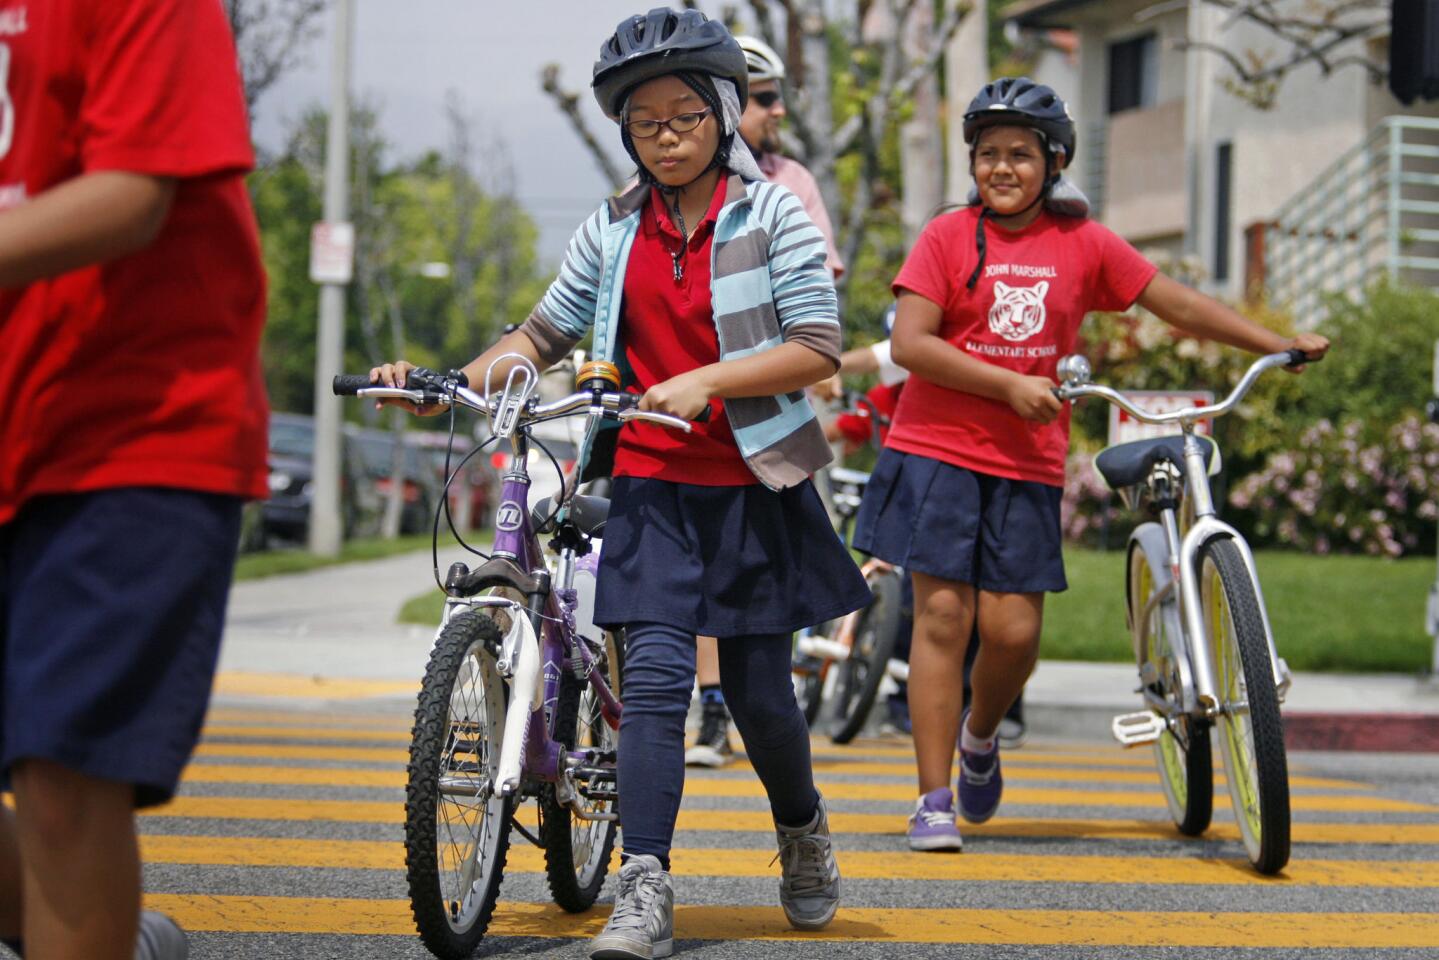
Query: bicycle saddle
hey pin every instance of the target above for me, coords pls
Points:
(587, 513)
(857, 478)
(1128, 464)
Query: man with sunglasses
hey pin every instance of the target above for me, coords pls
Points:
(759, 127)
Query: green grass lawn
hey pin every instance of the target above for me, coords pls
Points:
(268, 563)
(1345, 614)
(1342, 614)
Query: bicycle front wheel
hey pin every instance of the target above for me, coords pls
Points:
(456, 830)
(578, 851)
(1251, 732)
(1182, 753)
(875, 634)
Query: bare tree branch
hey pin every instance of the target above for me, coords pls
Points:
(270, 38)
(1312, 34)
(569, 104)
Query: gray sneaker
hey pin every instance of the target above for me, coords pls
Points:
(809, 886)
(160, 938)
(643, 922)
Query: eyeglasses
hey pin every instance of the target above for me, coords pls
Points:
(767, 98)
(679, 123)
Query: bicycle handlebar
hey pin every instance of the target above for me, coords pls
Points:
(424, 387)
(1077, 371)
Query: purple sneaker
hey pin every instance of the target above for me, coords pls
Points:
(980, 784)
(932, 826)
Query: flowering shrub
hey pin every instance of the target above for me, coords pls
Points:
(1340, 491)
(1089, 513)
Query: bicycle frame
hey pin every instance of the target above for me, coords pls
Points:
(1201, 696)
(1183, 547)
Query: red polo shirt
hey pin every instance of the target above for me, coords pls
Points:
(668, 328)
(142, 371)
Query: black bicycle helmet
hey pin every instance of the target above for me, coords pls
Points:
(661, 42)
(1019, 101)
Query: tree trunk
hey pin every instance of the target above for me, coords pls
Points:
(921, 154)
(966, 69)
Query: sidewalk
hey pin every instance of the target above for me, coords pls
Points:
(1323, 711)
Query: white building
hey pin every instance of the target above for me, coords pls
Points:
(1174, 161)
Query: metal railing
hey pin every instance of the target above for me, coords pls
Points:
(1374, 211)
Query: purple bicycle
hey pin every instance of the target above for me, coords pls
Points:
(519, 701)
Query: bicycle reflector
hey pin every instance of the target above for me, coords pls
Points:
(598, 375)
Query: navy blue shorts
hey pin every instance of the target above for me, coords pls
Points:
(949, 522)
(722, 561)
(111, 609)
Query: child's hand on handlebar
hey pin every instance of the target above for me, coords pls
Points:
(1313, 345)
(396, 375)
(1033, 398)
(685, 396)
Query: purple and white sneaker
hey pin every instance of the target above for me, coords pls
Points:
(932, 826)
(980, 784)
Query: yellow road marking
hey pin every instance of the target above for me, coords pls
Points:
(301, 751)
(708, 787)
(899, 865)
(264, 732)
(329, 718)
(1038, 927)
(292, 685)
(361, 811)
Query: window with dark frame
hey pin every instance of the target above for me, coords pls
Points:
(1223, 192)
(1133, 72)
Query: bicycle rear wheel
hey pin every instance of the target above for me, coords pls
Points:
(1182, 753)
(807, 673)
(456, 830)
(1251, 732)
(875, 634)
(578, 851)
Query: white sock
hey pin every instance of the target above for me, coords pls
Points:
(969, 743)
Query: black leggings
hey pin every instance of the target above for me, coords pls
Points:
(658, 677)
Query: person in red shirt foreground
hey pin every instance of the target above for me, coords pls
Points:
(133, 424)
(966, 494)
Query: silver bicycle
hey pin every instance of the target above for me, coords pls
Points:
(1202, 639)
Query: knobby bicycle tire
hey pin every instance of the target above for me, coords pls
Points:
(576, 885)
(1252, 740)
(807, 675)
(442, 833)
(1186, 760)
(875, 635)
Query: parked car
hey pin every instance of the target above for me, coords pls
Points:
(286, 514)
(372, 454)
(479, 478)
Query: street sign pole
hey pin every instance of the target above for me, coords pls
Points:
(325, 526)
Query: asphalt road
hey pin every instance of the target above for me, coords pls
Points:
(286, 842)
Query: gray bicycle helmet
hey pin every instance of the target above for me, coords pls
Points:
(662, 42)
(1019, 101)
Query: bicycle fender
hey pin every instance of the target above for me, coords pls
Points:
(520, 653)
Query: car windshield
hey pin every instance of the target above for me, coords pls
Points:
(291, 439)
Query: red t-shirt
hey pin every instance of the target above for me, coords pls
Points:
(668, 329)
(1023, 315)
(143, 370)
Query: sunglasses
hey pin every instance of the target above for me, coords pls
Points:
(766, 98)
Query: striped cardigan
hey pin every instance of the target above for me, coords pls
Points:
(769, 286)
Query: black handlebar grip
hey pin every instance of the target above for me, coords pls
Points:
(348, 384)
(704, 415)
(1297, 356)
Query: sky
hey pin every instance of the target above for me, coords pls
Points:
(409, 53)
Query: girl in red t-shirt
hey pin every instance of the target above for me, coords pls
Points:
(966, 494)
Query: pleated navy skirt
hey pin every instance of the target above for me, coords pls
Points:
(722, 561)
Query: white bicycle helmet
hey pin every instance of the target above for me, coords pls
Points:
(760, 57)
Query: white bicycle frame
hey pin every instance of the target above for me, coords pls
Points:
(1200, 694)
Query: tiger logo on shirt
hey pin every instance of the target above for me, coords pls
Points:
(1018, 312)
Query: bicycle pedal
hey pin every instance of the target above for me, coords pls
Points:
(1137, 729)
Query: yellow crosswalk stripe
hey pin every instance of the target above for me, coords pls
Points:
(291, 686)
(897, 865)
(263, 914)
(748, 787)
(366, 811)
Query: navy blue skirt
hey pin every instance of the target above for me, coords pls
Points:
(722, 561)
(931, 517)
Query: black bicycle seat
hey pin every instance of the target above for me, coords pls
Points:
(1128, 464)
(587, 513)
